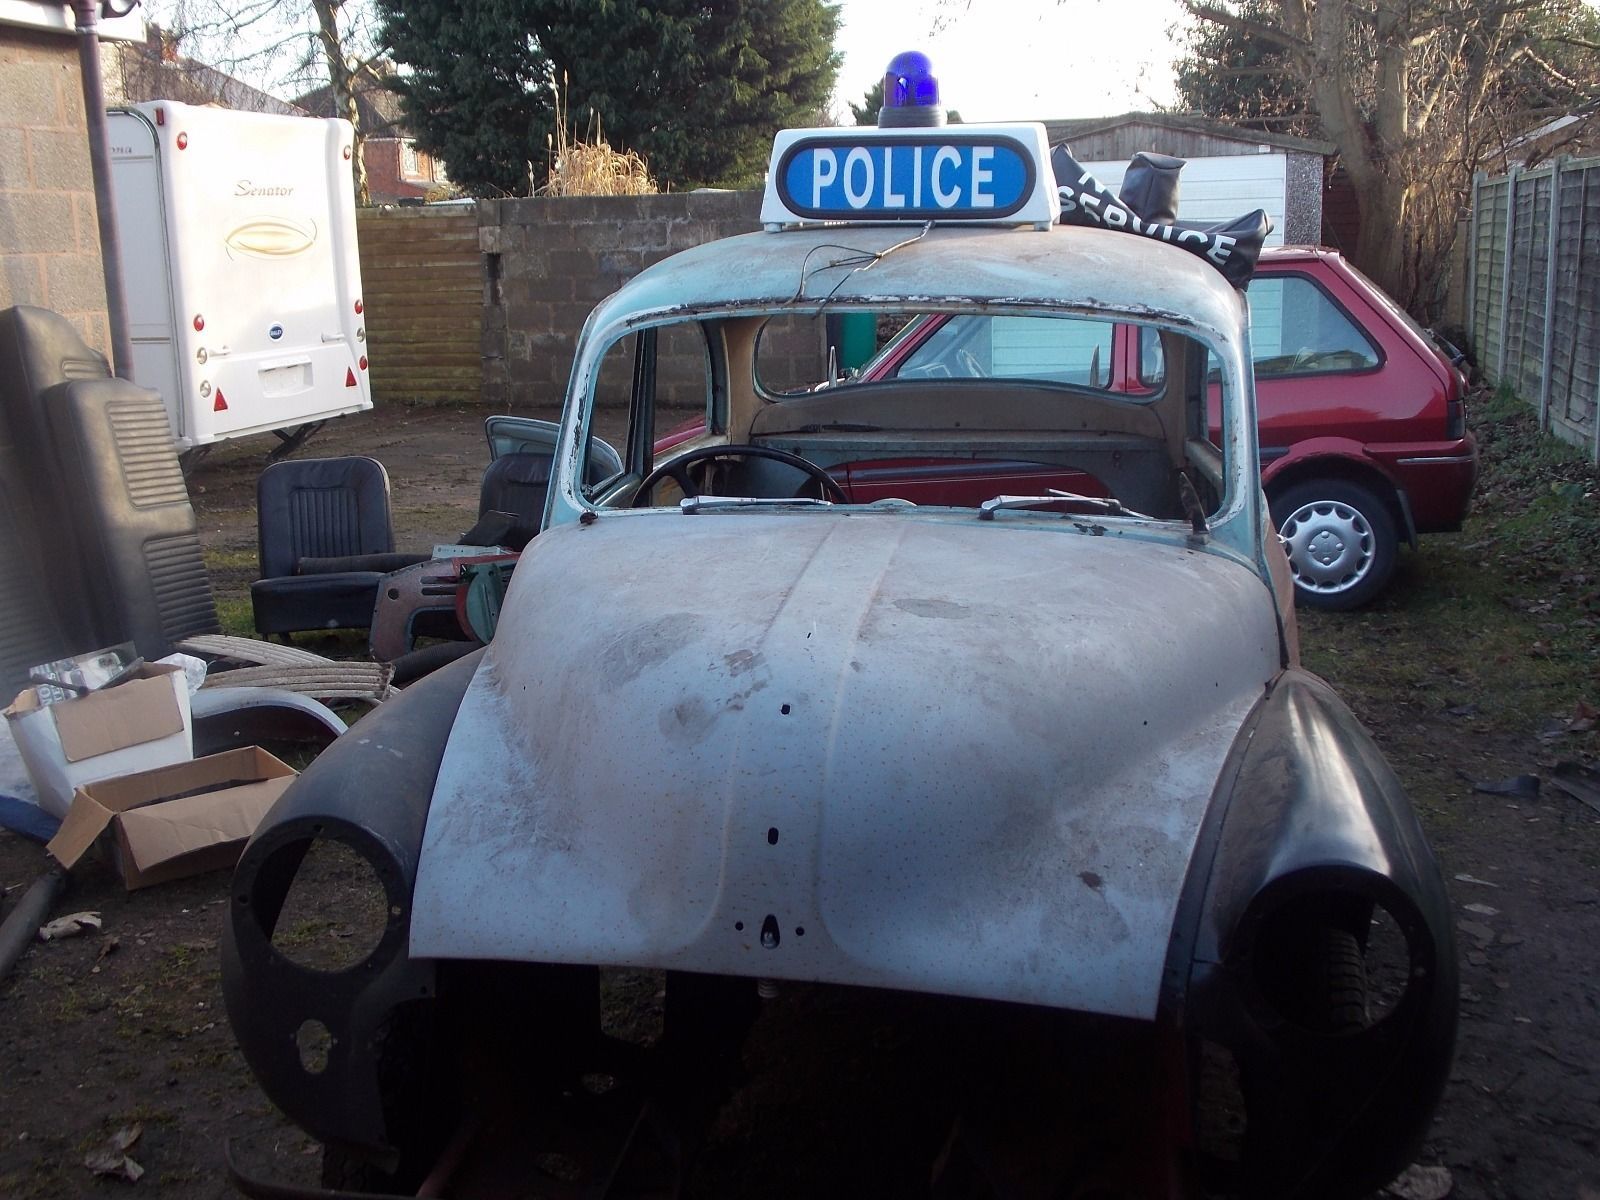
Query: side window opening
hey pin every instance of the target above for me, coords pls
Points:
(651, 384)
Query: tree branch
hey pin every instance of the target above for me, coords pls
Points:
(1267, 33)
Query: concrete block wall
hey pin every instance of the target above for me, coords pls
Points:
(49, 238)
(549, 260)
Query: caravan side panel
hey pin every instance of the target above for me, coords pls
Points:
(142, 228)
(260, 227)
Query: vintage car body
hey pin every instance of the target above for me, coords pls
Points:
(1054, 762)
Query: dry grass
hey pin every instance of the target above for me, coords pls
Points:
(590, 166)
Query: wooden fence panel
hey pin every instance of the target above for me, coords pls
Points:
(1488, 265)
(422, 275)
(1530, 258)
(1535, 311)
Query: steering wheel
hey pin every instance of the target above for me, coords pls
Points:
(969, 360)
(677, 471)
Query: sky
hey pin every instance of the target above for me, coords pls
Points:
(996, 60)
(1034, 60)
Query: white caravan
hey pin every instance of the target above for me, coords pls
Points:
(239, 258)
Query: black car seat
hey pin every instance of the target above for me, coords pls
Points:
(43, 614)
(325, 543)
(97, 535)
(511, 501)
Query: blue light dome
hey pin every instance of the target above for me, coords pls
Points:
(910, 93)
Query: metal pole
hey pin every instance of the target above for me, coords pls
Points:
(21, 926)
(86, 14)
(1505, 273)
(1553, 242)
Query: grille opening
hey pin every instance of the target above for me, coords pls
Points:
(633, 1005)
(314, 1043)
(335, 912)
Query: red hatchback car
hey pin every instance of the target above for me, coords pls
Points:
(1363, 430)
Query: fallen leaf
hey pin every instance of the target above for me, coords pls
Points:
(111, 1156)
(124, 1138)
(1421, 1183)
(1474, 879)
(69, 926)
(1483, 910)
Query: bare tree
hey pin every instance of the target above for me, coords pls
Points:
(291, 45)
(1416, 95)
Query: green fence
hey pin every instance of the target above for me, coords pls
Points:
(1534, 296)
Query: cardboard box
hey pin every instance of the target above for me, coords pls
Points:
(174, 821)
(134, 726)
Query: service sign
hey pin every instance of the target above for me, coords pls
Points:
(962, 173)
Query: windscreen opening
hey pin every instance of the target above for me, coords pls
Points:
(924, 408)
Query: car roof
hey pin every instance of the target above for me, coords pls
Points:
(1061, 266)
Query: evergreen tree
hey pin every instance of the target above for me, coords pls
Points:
(698, 87)
(1232, 76)
(866, 113)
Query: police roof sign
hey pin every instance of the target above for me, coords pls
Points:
(903, 178)
(979, 174)
(962, 173)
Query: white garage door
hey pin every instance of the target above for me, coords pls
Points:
(1220, 189)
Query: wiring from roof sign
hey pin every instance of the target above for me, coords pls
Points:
(860, 260)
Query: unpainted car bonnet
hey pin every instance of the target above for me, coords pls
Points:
(910, 750)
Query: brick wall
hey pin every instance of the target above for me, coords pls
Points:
(387, 181)
(49, 239)
(549, 260)
(422, 286)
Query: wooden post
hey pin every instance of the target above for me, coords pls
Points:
(1472, 261)
(1553, 242)
(1505, 272)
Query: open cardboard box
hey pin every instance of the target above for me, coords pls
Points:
(174, 821)
(134, 726)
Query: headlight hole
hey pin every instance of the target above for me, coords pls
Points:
(1331, 964)
(335, 912)
(1389, 967)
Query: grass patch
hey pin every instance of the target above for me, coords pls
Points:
(232, 560)
(236, 616)
(1496, 628)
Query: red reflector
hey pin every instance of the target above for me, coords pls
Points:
(199, 322)
(362, 362)
(183, 141)
(219, 405)
(161, 116)
(349, 377)
(358, 306)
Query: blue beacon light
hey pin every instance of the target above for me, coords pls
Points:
(910, 94)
